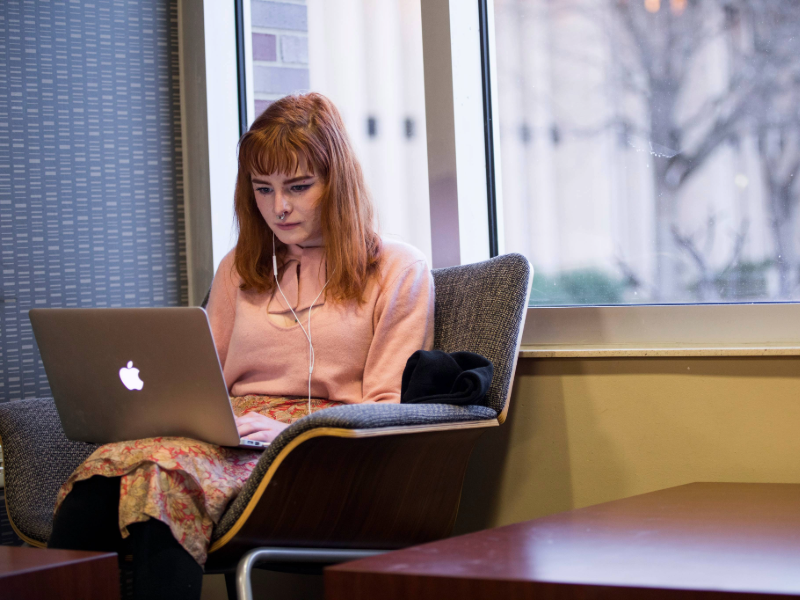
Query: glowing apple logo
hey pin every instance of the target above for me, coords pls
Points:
(130, 377)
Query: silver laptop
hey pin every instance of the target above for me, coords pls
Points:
(129, 373)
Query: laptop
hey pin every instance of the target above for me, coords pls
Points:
(121, 374)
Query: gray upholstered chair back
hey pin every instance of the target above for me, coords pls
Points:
(481, 308)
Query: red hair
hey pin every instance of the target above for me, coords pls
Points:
(306, 130)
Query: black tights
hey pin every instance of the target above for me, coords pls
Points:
(150, 558)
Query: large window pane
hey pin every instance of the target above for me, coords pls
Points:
(650, 148)
(366, 55)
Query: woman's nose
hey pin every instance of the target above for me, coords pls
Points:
(281, 205)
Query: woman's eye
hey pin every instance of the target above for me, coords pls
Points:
(263, 190)
(301, 188)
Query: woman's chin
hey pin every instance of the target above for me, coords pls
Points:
(296, 236)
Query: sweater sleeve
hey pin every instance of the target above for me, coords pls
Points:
(221, 307)
(403, 324)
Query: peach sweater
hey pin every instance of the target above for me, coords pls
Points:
(360, 351)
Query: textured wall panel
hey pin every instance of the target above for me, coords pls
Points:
(91, 181)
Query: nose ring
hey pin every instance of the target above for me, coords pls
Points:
(282, 216)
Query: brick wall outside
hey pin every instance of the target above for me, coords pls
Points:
(280, 49)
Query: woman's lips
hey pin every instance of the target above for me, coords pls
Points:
(287, 226)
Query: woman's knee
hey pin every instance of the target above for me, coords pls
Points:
(88, 518)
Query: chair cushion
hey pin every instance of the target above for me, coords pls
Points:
(38, 458)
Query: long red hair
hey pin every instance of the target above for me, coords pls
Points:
(307, 130)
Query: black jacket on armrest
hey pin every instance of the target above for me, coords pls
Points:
(436, 377)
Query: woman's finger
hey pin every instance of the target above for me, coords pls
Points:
(255, 426)
(248, 421)
(261, 436)
(244, 429)
(251, 426)
(248, 427)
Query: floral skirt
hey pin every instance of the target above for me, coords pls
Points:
(184, 483)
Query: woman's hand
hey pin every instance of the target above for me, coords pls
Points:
(256, 427)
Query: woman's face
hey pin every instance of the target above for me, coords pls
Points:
(297, 197)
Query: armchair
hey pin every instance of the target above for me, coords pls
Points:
(339, 484)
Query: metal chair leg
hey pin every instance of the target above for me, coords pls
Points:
(244, 588)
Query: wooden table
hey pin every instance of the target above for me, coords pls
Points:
(702, 540)
(35, 573)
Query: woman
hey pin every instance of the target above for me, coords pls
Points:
(312, 309)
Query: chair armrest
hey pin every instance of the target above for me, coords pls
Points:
(38, 458)
(373, 416)
(389, 417)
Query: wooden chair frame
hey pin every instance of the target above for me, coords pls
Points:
(354, 493)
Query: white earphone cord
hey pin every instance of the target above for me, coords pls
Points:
(311, 357)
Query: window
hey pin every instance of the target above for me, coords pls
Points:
(641, 153)
(651, 148)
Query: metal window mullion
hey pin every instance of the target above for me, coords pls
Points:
(488, 126)
(241, 65)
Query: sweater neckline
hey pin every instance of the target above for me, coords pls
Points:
(302, 276)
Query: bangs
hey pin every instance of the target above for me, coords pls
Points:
(278, 151)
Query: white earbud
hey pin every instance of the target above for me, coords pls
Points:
(310, 308)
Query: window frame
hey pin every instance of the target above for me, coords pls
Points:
(209, 86)
(738, 329)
